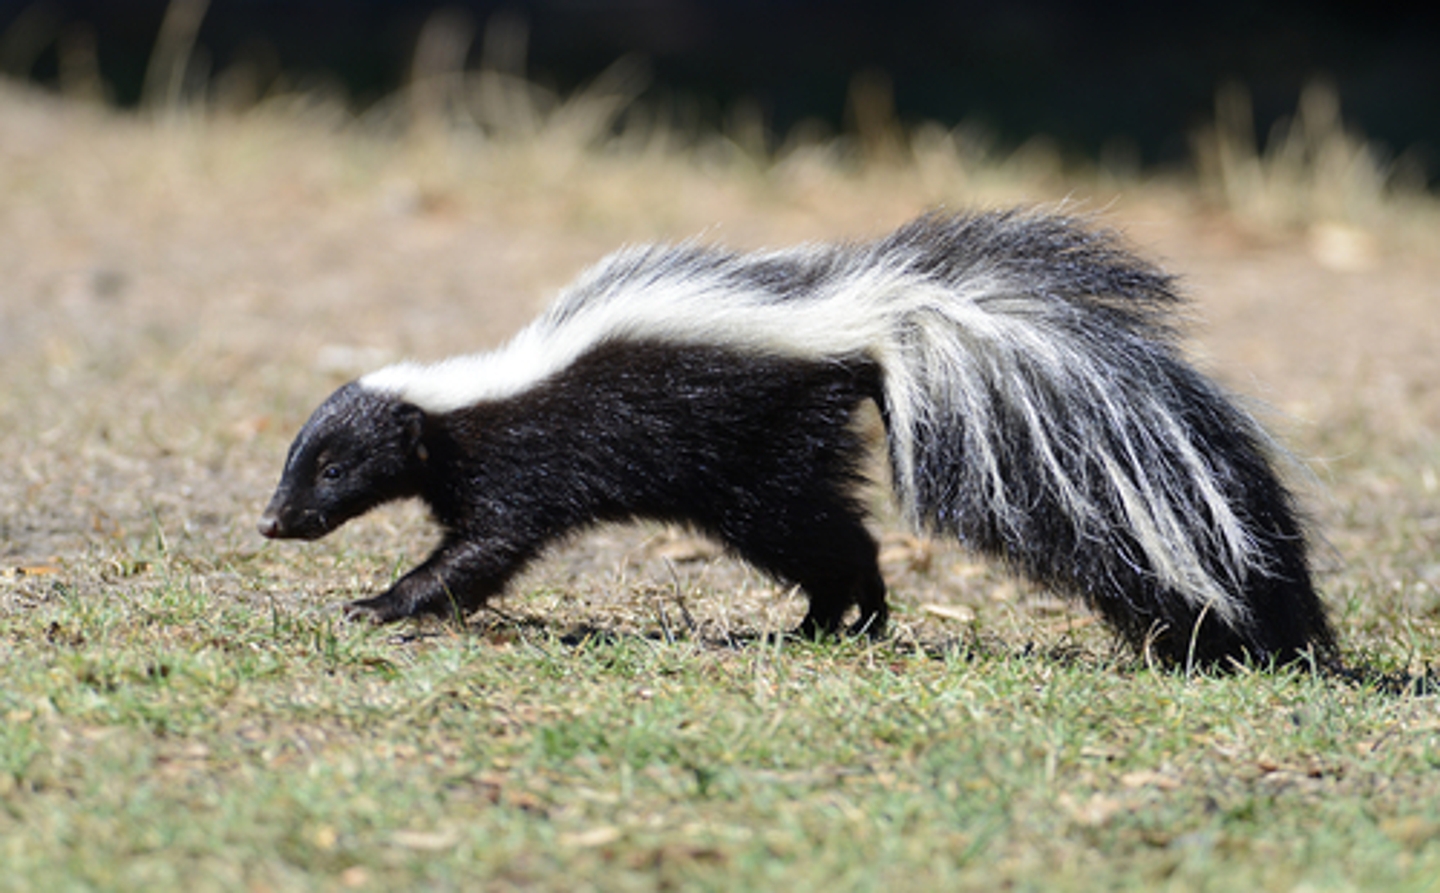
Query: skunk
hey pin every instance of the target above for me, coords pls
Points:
(1035, 405)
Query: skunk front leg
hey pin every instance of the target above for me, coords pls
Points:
(458, 577)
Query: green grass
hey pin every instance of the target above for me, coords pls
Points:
(172, 740)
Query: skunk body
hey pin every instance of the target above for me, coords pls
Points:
(1035, 404)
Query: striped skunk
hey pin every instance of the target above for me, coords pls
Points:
(1035, 403)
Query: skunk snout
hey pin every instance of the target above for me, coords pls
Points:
(284, 520)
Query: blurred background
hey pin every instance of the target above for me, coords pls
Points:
(215, 211)
(1124, 83)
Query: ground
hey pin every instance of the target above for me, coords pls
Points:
(182, 289)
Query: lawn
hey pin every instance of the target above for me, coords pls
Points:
(183, 706)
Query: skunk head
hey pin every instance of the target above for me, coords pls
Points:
(359, 449)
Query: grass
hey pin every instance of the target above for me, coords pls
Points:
(177, 742)
(1311, 168)
(182, 708)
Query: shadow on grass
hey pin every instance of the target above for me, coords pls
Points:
(494, 625)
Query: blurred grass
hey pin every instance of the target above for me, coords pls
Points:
(181, 707)
(1311, 169)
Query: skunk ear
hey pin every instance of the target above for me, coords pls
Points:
(412, 427)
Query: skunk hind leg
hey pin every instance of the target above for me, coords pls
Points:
(833, 558)
(830, 600)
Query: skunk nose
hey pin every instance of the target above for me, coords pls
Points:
(269, 526)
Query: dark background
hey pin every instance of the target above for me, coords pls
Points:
(1083, 73)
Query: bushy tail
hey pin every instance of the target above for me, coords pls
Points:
(1039, 410)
